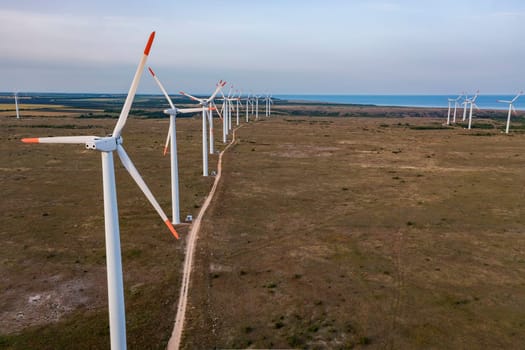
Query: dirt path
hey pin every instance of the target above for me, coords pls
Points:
(176, 335)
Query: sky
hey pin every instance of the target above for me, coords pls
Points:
(277, 46)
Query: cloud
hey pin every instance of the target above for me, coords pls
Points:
(48, 38)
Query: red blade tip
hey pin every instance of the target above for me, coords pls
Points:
(165, 150)
(30, 140)
(151, 71)
(150, 42)
(172, 229)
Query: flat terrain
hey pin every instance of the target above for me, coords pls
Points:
(326, 232)
(53, 289)
(360, 232)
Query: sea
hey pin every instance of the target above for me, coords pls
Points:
(440, 101)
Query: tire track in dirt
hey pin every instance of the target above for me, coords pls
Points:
(176, 335)
(399, 287)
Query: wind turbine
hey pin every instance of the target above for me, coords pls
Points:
(270, 101)
(456, 103)
(238, 99)
(233, 102)
(450, 100)
(511, 107)
(472, 104)
(225, 118)
(16, 106)
(247, 107)
(226, 111)
(465, 103)
(229, 119)
(257, 107)
(172, 134)
(106, 145)
(206, 113)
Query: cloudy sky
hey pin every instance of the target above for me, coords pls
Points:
(282, 46)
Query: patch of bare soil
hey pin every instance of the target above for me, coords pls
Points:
(35, 307)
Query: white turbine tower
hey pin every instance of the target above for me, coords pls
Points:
(257, 107)
(472, 104)
(247, 107)
(511, 108)
(270, 101)
(16, 106)
(206, 113)
(456, 103)
(227, 107)
(172, 136)
(238, 108)
(465, 103)
(225, 118)
(106, 145)
(230, 107)
(450, 100)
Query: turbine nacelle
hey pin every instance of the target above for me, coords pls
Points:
(105, 144)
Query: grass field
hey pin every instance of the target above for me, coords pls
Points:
(53, 254)
(325, 233)
(384, 233)
(11, 106)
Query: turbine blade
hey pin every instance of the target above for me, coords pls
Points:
(191, 110)
(168, 138)
(220, 84)
(161, 87)
(218, 112)
(133, 89)
(128, 164)
(200, 100)
(60, 139)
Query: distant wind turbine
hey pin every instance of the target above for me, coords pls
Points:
(472, 104)
(456, 103)
(225, 111)
(450, 100)
(106, 145)
(247, 107)
(511, 108)
(172, 137)
(238, 100)
(465, 103)
(16, 106)
(206, 113)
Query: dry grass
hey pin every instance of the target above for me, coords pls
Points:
(340, 233)
(21, 105)
(53, 253)
(325, 233)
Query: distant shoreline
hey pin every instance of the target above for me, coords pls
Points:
(486, 102)
(392, 102)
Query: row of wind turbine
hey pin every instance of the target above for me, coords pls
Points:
(470, 102)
